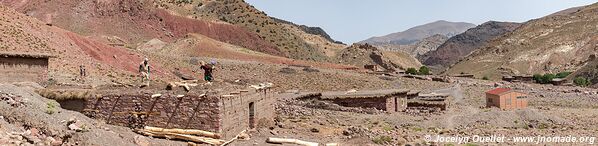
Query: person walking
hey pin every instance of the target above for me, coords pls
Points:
(144, 69)
(208, 69)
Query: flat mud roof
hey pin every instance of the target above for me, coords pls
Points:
(363, 94)
(25, 55)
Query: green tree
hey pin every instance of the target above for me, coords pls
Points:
(544, 79)
(581, 81)
(424, 70)
(411, 70)
(547, 78)
(538, 78)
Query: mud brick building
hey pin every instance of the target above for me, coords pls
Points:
(225, 113)
(436, 102)
(392, 100)
(506, 99)
(19, 67)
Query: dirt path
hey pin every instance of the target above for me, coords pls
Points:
(459, 108)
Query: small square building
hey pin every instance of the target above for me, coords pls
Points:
(392, 100)
(19, 67)
(506, 99)
(224, 113)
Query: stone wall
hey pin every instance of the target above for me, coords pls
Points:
(168, 111)
(236, 109)
(18, 69)
(378, 103)
(389, 103)
(225, 114)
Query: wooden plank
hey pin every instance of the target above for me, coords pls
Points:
(180, 98)
(184, 131)
(153, 105)
(194, 111)
(112, 110)
(185, 137)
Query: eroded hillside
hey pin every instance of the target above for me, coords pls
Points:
(550, 44)
(25, 35)
(360, 55)
(461, 45)
(295, 44)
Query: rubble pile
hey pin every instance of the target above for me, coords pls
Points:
(28, 137)
(12, 100)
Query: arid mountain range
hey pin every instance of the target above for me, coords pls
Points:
(137, 21)
(415, 34)
(552, 44)
(558, 42)
(421, 39)
(461, 45)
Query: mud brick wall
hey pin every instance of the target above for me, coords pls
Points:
(224, 114)
(378, 103)
(168, 110)
(235, 111)
(401, 104)
(391, 104)
(18, 69)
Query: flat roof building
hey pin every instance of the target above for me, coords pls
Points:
(19, 67)
(506, 99)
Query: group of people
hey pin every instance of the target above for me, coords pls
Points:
(144, 69)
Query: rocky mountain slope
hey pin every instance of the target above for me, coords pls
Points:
(130, 22)
(419, 48)
(415, 34)
(311, 30)
(461, 45)
(294, 44)
(133, 22)
(23, 34)
(365, 54)
(589, 71)
(552, 44)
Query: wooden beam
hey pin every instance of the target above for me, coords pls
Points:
(184, 131)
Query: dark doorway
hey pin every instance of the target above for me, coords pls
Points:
(396, 104)
(251, 115)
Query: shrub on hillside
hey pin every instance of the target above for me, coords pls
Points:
(412, 71)
(424, 70)
(581, 81)
(563, 74)
(544, 79)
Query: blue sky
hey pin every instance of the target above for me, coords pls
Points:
(355, 20)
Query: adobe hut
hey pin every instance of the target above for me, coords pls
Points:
(523, 78)
(391, 100)
(18, 67)
(506, 99)
(432, 101)
(372, 67)
(558, 81)
(225, 113)
(463, 75)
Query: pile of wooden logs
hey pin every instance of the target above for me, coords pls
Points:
(190, 135)
(291, 141)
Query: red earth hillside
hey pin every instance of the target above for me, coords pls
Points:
(23, 34)
(134, 21)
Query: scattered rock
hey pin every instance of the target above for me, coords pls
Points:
(310, 69)
(315, 130)
(287, 70)
(75, 127)
(141, 141)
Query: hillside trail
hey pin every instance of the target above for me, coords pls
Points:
(459, 107)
